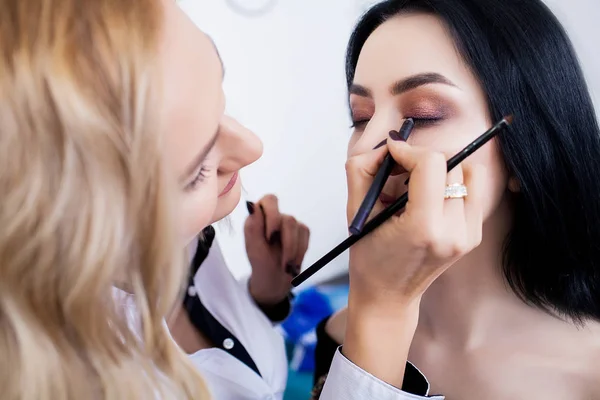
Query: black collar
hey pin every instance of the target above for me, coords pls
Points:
(202, 319)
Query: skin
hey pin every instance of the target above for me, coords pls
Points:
(194, 105)
(384, 304)
(205, 150)
(496, 347)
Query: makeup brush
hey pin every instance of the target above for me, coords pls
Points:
(399, 204)
(377, 186)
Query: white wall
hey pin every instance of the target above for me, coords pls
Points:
(285, 80)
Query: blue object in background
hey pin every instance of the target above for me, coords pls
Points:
(310, 307)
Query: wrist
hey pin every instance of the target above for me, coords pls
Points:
(379, 335)
(380, 319)
(264, 297)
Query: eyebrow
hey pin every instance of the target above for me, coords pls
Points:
(199, 159)
(404, 85)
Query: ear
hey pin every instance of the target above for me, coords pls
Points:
(513, 185)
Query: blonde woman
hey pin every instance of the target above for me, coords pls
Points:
(114, 153)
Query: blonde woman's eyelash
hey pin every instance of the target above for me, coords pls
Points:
(198, 179)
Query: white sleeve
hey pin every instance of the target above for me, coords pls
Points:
(346, 381)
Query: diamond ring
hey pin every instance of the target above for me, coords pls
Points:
(455, 191)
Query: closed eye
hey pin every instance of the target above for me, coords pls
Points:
(360, 123)
(198, 179)
(426, 121)
(419, 122)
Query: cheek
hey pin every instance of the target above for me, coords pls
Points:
(495, 181)
(197, 209)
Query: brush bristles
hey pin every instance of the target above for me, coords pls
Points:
(509, 119)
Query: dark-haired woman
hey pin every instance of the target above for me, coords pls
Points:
(516, 317)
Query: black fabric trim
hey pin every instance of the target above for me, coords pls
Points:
(278, 312)
(414, 382)
(205, 242)
(206, 323)
(324, 351)
(199, 315)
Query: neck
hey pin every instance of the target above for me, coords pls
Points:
(471, 300)
(185, 334)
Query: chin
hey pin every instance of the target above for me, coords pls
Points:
(227, 203)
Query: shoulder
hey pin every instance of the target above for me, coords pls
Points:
(591, 368)
(581, 369)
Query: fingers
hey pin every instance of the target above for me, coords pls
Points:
(474, 178)
(454, 240)
(255, 223)
(408, 253)
(427, 180)
(279, 230)
(270, 208)
(303, 240)
(289, 239)
(454, 208)
(360, 172)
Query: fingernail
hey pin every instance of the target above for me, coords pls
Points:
(275, 237)
(250, 206)
(395, 136)
(381, 144)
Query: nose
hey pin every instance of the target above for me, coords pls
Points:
(238, 145)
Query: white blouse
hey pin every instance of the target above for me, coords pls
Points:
(229, 301)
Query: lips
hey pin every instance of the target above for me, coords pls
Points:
(229, 185)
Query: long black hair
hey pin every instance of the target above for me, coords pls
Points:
(527, 66)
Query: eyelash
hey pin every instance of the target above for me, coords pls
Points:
(419, 122)
(198, 179)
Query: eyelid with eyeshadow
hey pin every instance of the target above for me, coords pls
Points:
(424, 118)
(426, 108)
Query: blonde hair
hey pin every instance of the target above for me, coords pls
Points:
(84, 202)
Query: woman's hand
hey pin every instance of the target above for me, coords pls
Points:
(392, 267)
(400, 259)
(276, 244)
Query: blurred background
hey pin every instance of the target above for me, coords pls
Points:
(285, 81)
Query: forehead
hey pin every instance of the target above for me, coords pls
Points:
(406, 45)
(192, 93)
